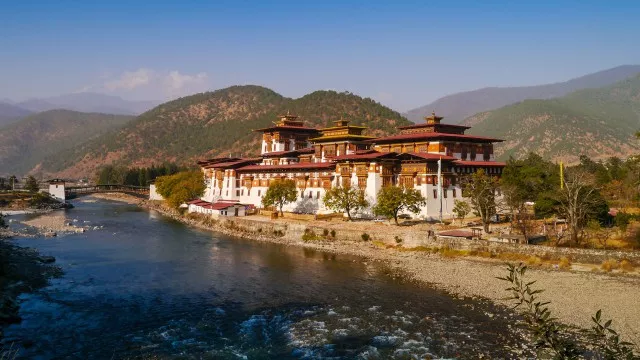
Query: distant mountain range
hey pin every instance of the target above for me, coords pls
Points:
(598, 123)
(10, 113)
(83, 102)
(25, 143)
(457, 107)
(217, 123)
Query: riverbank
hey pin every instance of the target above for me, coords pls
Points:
(575, 295)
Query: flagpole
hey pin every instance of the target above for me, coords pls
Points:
(440, 185)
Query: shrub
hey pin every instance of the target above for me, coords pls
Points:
(365, 237)
(309, 235)
(534, 260)
(278, 233)
(564, 263)
(609, 265)
(325, 232)
(333, 234)
(398, 239)
(626, 265)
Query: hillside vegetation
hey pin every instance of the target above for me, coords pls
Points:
(457, 107)
(24, 144)
(598, 123)
(216, 123)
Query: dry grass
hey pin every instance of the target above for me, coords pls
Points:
(626, 266)
(609, 265)
(534, 261)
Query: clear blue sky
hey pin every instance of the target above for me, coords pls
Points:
(404, 54)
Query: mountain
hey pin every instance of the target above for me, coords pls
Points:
(25, 143)
(458, 107)
(89, 102)
(595, 122)
(10, 113)
(216, 123)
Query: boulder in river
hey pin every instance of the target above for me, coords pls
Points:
(47, 259)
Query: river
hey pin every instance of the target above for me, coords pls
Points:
(140, 285)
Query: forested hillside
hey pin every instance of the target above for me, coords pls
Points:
(24, 144)
(598, 123)
(215, 123)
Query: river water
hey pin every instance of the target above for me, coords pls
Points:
(140, 285)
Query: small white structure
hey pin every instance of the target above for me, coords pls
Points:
(57, 189)
(153, 194)
(217, 209)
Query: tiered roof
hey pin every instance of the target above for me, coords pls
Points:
(340, 132)
(288, 153)
(288, 122)
(429, 136)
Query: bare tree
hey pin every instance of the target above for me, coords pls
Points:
(579, 199)
(481, 190)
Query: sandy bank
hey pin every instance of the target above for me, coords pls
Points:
(55, 221)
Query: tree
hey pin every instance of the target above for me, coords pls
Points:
(345, 199)
(181, 187)
(3, 224)
(392, 200)
(461, 209)
(279, 193)
(31, 184)
(579, 200)
(481, 188)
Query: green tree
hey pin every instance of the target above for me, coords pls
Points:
(461, 209)
(179, 188)
(31, 184)
(392, 200)
(345, 199)
(481, 188)
(279, 193)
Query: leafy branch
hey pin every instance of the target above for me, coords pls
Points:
(553, 339)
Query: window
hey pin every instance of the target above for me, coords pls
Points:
(248, 192)
(444, 193)
(242, 192)
(237, 192)
(310, 194)
(227, 182)
(259, 191)
(227, 193)
(454, 192)
(301, 194)
(317, 194)
(435, 193)
(237, 182)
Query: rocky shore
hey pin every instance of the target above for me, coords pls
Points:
(21, 270)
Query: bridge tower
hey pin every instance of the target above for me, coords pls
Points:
(57, 189)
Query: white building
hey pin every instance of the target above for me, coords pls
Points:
(340, 155)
